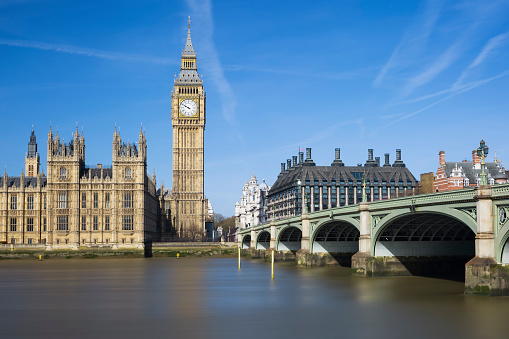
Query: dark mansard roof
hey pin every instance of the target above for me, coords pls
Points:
(493, 170)
(28, 181)
(289, 178)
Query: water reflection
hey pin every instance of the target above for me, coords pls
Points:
(211, 298)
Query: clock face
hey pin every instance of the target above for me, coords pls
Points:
(188, 107)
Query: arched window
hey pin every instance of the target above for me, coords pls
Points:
(128, 173)
(63, 173)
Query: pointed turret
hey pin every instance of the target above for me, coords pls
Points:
(188, 69)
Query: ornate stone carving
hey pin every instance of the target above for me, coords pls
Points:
(375, 219)
(471, 212)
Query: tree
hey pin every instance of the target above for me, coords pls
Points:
(221, 221)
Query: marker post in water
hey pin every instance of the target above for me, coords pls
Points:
(272, 264)
(239, 256)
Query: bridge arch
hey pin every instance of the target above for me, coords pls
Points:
(246, 241)
(263, 240)
(425, 233)
(335, 236)
(289, 239)
(502, 244)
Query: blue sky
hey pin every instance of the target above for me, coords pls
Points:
(422, 76)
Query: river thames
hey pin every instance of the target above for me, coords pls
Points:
(211, 298)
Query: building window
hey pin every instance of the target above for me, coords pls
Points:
(83, 223)
(127, 201)
(127, 223)
(62, 200)
(29, 241)
(95, 241)
(107, 241)
(44, 202)
(107, 200)
(96, 223)
(96, 200)
(127, 173)
(44, 225)
(30, 224)
(58, 241)
(83, 200)
(83, 241)
(107, 223)
(14, 202)
(63, 173)
(14, 222)
(30, 170)
(123, 241)
(30, 202)
(132, 241)
(62, 223)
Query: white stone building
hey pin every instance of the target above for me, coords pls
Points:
(251, 209)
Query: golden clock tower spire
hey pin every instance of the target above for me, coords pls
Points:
(189, 206)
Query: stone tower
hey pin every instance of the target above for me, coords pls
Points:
(66, 163)
(188, 121)
(32, 159)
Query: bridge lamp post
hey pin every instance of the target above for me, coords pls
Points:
(364, 195)
(482, 152)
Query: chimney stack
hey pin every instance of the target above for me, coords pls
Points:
(370, 162)
(441, 158)
(398, 162)
(294, 160)
(301, 157)
(282, 167)
(377, 160)
(308, 154)
(288, 163)
(387, 163)
(337, 158)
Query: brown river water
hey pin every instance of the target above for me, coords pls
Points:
(211, 298)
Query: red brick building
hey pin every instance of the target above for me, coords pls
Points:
(462, 174)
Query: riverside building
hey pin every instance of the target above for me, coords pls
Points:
(251, 210)
(322, 187)
(77, 205)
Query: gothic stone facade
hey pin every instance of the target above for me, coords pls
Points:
(186, 201)
(75, 205)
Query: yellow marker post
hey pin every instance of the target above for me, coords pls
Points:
(239, 257)
(40, 257)
(272, 264)
(178, 255)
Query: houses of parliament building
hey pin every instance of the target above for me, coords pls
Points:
(75, 205)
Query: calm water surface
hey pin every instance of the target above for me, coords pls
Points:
(211, 298)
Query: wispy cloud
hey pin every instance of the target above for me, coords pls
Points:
(481, 57)
(413, 41)
(453, 91)
(96, 53)
(202, 10)
(354, 74)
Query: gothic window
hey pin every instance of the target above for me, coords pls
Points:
(83, 223)
(44, 225)
(13, 224)
(96, 200)
(127, 223)
(96, 223)
(127, 201)
(83, 200)
(14, 202)
(127, 173)
(30, 224)
(63, 173)
(30, 170)
(106, 223)
(30, 202)
(44, 202)
(107, 200)
(62, 223)
(62, 200)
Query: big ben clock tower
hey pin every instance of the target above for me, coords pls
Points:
(189, 206)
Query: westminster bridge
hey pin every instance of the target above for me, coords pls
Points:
(464, 228)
